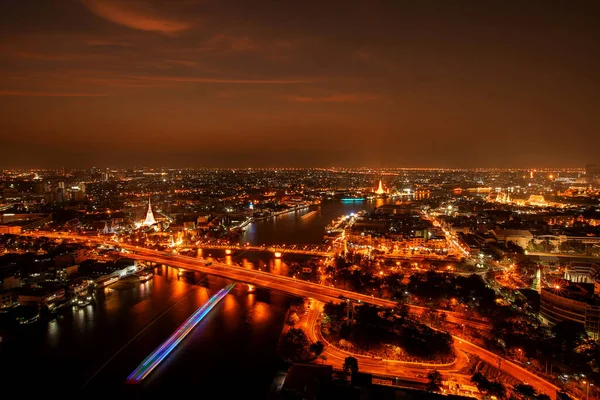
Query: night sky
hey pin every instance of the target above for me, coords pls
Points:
(251, 83)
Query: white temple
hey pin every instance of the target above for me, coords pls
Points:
(380, 188)
(149, 216)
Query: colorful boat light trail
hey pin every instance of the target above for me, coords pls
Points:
(152, 361)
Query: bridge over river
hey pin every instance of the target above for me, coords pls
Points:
(271, 249)
(307, 289)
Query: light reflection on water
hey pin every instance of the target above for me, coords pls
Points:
(238, 338)
(291, 228)
(53, 333)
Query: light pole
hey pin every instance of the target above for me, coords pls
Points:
(587, 389)
(350, 310)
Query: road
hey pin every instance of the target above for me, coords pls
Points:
(259, 278)
(562, 255)
(416, 371)
(388, 367)
(410, 374)
(540, 384)
(272, 249)
(450, 239)
(317, 292)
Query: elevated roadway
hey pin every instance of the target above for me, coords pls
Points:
(319, 292)
(261, 278)
(271, 249)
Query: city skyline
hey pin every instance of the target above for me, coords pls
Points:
(229, 84)
(144, 280)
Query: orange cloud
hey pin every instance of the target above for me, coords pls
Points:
(100, 42)
(49, 56)
(219, 80)
(334, 98)
(47, 94)
(133, 15)
(363, 55)
(229, 43)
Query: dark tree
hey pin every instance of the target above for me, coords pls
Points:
(293, 345)
(340, 263)
(335, 311)
(402, 310)
(317, 347)
(351, 365)
(497, 389)
(568, 335)
(435, 381)
(483, 384)
(524, 391)
(369, 315)
(345, 331)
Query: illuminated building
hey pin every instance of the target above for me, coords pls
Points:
(537, 200)
(422, 194)
(582, 272)
(501, 197)
(380, 188)
(521, 237)
(572, 303)
(41, 295)
(149, 216)
(537, 282)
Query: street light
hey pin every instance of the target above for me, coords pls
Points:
(587, 389)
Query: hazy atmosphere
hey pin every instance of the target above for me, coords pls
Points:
(202, 83)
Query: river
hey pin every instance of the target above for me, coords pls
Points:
(292, 228)
(232, 351)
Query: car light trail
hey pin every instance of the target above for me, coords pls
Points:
(152, 361)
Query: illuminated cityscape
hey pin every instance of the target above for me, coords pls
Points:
(476, 281)
(298, 201)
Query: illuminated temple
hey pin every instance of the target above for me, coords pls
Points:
(380, 188)
(149, 221)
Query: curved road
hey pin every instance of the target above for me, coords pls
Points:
(375, 365)
(318, 292)
(411, 370)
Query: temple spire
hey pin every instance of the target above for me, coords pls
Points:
(380, 188)
(149, 215)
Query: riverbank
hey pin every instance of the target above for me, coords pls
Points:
(254, 219)
(309, 214)
(282, 212)
(236, 339)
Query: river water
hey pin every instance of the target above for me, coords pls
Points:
(292, 228)
(230, 352)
